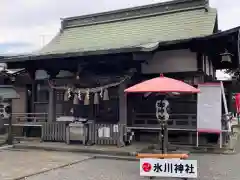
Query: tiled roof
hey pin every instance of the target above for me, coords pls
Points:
(134, 32)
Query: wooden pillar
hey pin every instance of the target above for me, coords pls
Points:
(33, 89)
(122, 104)
(52, 105)
(33, 96)
(229, 98)
(122, 113)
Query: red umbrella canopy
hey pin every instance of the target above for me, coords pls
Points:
(162, 85)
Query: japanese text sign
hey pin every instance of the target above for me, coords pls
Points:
(168, 168)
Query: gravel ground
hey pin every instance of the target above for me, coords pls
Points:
(211, 167)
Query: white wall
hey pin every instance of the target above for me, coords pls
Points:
(222, 76)
(171, 61)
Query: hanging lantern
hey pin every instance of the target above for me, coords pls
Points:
(105, 95)
(96, 98)
(226, 57)
(79, 95)
(87, 99)
(75, 99)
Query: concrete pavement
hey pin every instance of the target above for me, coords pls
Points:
(15, 164)
(211, 167)
(76, 166)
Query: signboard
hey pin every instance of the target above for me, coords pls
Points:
(209, 108)
(237, 102)
(175, 168)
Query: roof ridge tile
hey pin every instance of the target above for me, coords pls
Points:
(140, 11)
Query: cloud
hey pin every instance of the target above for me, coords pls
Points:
(33, 35)
(9, 48)
(228, 11)
(36, 22)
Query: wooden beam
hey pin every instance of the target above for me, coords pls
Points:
(163, 156)
(142, 56)
(52, 99)
(52, 105)
(199, 62)
(122, 104)
(31, 73)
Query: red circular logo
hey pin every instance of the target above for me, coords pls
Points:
(146, 167)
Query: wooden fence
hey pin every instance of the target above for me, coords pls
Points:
(100, 134)
(55, 131)
(107, 134)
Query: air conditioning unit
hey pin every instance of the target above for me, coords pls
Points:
(3, 113)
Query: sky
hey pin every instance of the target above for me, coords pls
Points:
(27, 25)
